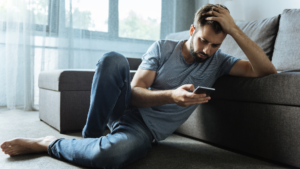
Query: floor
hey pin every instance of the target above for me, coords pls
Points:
(176, 152)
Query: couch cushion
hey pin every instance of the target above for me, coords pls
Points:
(262, 32)
(66, 80)
(281, 88)
(287, 52)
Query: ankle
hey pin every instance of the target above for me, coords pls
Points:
(46, 141)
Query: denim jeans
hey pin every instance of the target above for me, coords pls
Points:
(130, 138)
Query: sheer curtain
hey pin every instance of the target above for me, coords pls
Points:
(17, 33)
(41, 35)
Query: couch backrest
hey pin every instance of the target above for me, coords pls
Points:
(134, 63)
(263, 32)
(287, 46)
(179, 35)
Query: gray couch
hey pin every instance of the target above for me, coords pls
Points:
(256, 116)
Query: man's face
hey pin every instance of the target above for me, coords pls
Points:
(205, 42)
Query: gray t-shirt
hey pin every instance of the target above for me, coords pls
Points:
(165, 57)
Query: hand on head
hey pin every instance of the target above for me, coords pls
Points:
(222, 16)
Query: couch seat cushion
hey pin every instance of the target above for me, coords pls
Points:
(281, 88)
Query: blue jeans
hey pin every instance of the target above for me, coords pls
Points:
(130, 138)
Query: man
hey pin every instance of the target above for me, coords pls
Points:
(159, 98)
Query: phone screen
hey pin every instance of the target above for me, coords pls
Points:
(202, 90)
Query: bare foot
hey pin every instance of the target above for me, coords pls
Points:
(19, 146)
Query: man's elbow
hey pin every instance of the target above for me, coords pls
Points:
(272, 71)
(266, 73)
(133, 100)
(136, 95)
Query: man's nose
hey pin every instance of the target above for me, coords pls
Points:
(206, 49)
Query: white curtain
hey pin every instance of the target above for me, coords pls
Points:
(17, 33)
(41, 35)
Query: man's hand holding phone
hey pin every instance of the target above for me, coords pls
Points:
(184, 98)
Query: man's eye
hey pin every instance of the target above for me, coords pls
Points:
(203, 40)
(214, 46)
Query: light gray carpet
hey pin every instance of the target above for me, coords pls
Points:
(176, 152)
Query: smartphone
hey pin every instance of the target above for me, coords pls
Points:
(206, 90)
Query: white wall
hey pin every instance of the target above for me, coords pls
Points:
(199, 4)
(259, 9)
(254, 9)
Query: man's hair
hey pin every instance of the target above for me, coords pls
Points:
(200, 20)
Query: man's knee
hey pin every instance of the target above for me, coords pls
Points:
(113, 58)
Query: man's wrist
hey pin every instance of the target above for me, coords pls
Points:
(170, 94)
(238, 34)
(235, 31)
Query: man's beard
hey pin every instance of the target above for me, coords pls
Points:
(195, 54)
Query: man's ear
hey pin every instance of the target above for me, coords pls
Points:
(192, 30)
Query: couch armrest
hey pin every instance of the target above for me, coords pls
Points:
(66, 79)
(134, 63)
(75, 79)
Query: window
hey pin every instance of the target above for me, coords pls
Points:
(107, 19)
(16, 8)
(139, 19)
(114, 19)
(90, 15)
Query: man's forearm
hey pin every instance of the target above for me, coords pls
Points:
(142, 97)
(261, 64)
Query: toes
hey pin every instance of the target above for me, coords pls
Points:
(6, 145)
(13, 153)
(10, 152)
(6, 148)
(3, 145)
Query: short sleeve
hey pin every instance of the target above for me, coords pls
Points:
(150, 60)
(226, 62)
